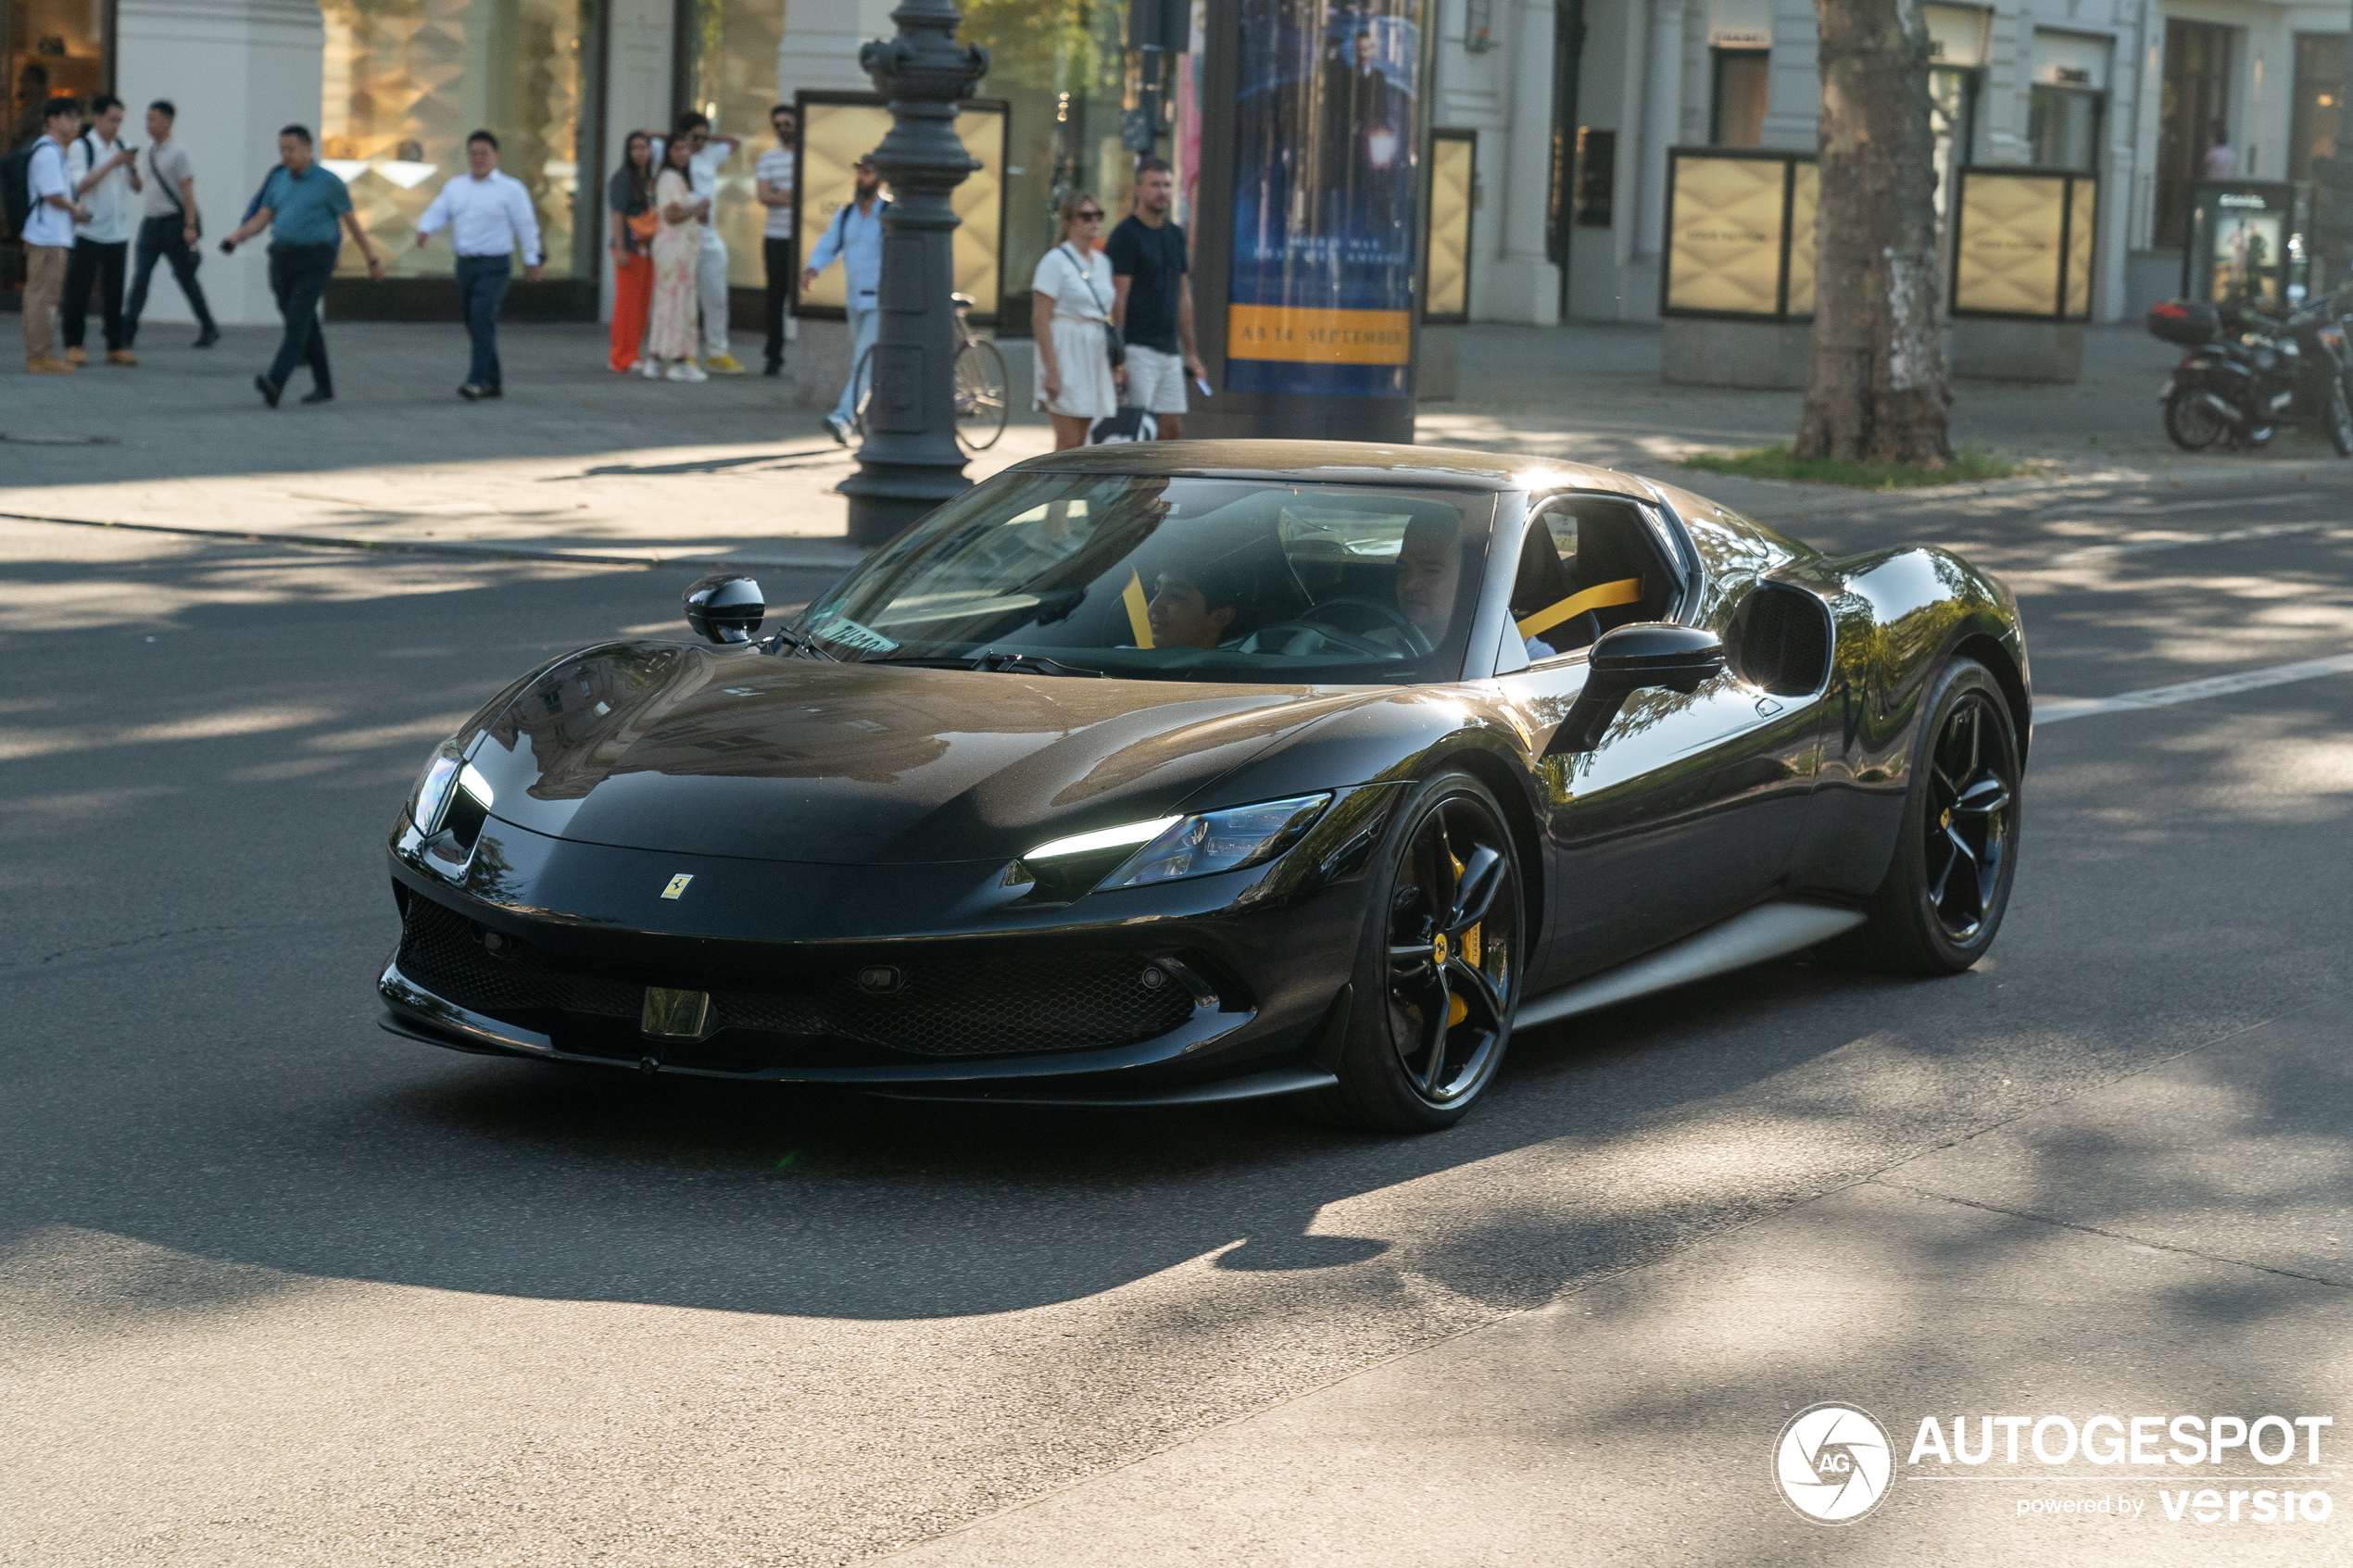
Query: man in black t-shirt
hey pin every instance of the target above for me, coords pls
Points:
(1154, 305)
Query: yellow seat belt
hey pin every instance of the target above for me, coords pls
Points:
(1625, 591)
(1140, 619)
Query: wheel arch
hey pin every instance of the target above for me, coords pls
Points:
(1519, 815)
(1989, 651)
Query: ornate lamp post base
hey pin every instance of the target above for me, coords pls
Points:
(909, 462)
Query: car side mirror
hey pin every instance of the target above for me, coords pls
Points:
(724, 607)
(1627, 659)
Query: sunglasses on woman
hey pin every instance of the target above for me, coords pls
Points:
(1090, 215)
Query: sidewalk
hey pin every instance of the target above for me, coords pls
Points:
(578, 462)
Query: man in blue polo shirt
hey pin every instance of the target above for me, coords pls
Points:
(300, 205)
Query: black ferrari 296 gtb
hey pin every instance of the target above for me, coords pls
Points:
(1197, 770)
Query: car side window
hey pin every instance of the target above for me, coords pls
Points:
(1547, 558)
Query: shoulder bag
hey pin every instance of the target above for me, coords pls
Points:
(1113, 344)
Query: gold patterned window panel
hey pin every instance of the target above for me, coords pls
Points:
(1739, 234)
(2024, 243)
(1451, 171)
(406, 82)
(838, 128)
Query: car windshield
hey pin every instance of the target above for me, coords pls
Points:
(1152, 577)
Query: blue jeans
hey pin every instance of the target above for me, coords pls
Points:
(482, 288)
(863, 326)
(297, 277)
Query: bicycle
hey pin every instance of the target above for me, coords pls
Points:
(979, 374)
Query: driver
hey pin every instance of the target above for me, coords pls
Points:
(1429, 568)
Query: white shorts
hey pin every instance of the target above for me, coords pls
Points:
(1155, 381)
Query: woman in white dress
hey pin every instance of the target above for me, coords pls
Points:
(1070, 301)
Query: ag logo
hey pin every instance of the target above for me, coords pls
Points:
(1832, 1463)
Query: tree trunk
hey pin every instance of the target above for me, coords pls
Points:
(1875, 387)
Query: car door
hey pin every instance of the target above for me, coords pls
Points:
(1687, 810)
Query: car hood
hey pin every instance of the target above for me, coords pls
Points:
(671, 746)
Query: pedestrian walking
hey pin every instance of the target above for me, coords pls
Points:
(855, 236)
(105, 181)
(669, 340)
(774, 183)
(1154, 312)
(707, 150)
(301, 204)
(170, 229)
(1071, 299)
(634, 222)
(48, 236)
(488, 215)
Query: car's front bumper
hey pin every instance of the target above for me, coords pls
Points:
(545, 947)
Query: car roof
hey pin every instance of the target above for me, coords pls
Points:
(1336, 462)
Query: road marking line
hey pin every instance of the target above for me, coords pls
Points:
(2232, 535)
(2060, 710)
(2114, 508)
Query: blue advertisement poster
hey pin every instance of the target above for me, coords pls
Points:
(1327, 174)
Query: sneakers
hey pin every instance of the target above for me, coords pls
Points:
(121, 357)
(686, 369)
(649, 368)
(773, 368)
(470, 391)
(75, 356)
(723, 365)
(268, 388)
(47, 365)
(840, 429)
(207, 338)
(319, 395)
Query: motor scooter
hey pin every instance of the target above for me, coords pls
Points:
(2246, 373)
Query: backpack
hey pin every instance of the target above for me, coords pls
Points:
(15, 189)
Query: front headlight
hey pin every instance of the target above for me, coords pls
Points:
(449, 805)
(1175, 847)
(430, 799)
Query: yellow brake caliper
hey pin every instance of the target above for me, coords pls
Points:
(1456, 1009)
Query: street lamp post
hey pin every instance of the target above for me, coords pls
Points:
(909, 462)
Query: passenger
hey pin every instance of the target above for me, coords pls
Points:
(1197, 612)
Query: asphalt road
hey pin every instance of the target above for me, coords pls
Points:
(276, 1288)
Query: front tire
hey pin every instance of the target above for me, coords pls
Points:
(1944, 894)
(2191, 422)
(1438, 970)
(2340, 418)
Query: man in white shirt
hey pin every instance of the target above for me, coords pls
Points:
(774, 185)
(49, 236)
(708, 149)
(105, 179)
(488, 214)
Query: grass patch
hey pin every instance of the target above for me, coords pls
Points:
(1969, 465)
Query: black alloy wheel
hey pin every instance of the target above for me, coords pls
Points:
(1967, 821)
(2340, 418)
(1430, 1012)
(1946, 890)
(2191, 422)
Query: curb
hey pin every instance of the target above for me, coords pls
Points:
(818, 555)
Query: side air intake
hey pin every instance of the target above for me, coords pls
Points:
(1781, 640)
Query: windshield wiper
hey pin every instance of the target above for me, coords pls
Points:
(1026, 664)
(780, 639)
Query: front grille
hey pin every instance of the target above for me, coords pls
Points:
(950, 1005)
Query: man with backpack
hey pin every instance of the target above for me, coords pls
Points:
(49, 212)
(106, 178)
(170, 229)
(855, 235)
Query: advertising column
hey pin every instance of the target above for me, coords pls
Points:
(1317, 221)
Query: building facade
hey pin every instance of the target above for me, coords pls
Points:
(1558, 115)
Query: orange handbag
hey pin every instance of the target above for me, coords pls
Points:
(645, 224)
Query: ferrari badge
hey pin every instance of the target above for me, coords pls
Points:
(677, 887)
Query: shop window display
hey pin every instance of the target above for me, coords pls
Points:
(408, 80)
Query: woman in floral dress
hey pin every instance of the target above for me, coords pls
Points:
(670, 343)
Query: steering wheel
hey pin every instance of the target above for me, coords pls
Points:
(1343, 624)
